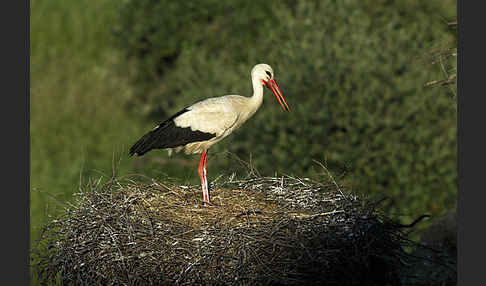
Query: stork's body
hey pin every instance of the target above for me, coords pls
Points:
(197, 127)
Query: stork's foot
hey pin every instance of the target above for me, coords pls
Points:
(209, 204)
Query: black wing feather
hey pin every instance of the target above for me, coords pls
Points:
(168, 135)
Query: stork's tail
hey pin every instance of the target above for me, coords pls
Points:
(153, 139)
(144, 144)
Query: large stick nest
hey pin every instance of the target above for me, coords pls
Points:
(261, 231)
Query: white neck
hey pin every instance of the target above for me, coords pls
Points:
(257, 98)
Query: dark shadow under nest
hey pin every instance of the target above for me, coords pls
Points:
(262, 231)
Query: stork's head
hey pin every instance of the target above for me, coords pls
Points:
(263, 73)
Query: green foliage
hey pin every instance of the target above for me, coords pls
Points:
(352, 72)
(77, 120)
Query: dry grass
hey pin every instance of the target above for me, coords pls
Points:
(260, 231)
(446, 58)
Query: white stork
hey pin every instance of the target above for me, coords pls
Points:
(196, 128)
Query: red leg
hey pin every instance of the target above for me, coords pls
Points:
(202, 174)
(200, 168)
(206, 189)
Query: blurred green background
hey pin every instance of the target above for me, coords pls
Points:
(353, 71)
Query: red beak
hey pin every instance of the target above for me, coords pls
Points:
(273, 86)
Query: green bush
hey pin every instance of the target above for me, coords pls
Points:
(351, 70)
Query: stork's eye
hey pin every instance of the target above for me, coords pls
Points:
(269, 74)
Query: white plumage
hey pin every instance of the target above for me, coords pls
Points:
(196, 128)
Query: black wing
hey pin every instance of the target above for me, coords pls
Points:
(168, 135)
